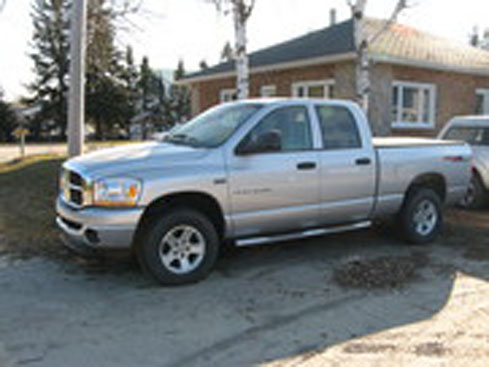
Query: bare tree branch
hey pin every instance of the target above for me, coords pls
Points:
(400, 6)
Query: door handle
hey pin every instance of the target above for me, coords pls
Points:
(306, 165)
(363, 161)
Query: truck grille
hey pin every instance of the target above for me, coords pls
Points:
(74, 187)
(75, 179)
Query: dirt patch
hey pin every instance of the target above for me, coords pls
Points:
(433, 349)
(360, 348)
(381, 272)
(477, 253)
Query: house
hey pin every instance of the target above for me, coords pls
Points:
(418, 81)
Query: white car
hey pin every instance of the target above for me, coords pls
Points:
(475, 131)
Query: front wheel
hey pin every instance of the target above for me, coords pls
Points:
(179, 247)
(421, 216)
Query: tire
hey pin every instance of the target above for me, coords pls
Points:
(421, 217)
(180, 247)
(476, 196)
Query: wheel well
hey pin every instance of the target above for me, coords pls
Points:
(476, 172)
(434, 181)
(201, 202)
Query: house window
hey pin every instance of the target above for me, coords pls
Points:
(482, 102)
(228, 95)
(413, 105)
(268, 91)
(313, 89)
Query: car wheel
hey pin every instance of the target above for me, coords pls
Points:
(179, 247)
(476, 195)
(421, 217)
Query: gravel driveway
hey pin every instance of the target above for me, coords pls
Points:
(274, 305)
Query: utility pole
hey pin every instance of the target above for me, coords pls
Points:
(76, 102)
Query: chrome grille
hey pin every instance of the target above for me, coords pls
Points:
(74, 185)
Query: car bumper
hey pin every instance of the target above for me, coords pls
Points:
(86, 230)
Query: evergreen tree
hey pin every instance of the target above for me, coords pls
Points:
(203, 65)
(130, 76)
(105, 69)
(179, 73)
(180, 96)
(51, 63)
(147, 84)
(227, 53)
(107, 98)
(479, 39)
(8, 120)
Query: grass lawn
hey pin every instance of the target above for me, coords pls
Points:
(28, 190)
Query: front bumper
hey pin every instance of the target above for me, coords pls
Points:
(97, 228)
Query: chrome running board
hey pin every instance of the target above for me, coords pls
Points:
(309, 233)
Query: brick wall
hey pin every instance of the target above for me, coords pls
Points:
(282, 79)
(455, 92)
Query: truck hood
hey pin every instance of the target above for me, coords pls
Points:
(134, 157)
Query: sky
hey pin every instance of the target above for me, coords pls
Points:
(192, 30)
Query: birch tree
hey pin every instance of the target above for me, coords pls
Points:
(241, 11)
(362, 41)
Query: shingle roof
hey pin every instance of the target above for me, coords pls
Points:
(410, 44)
(399, 42)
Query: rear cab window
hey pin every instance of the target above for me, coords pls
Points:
(339, 129)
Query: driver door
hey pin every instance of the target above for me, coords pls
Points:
(276, 191)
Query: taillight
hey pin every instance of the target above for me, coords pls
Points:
(453, 158)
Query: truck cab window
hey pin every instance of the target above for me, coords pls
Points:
(338, 128)
(291, 123)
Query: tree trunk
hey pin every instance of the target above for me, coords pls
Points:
(362, 80)
(242, 62)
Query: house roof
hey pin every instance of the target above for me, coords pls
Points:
(398, 44)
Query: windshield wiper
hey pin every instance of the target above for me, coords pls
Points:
(182, 139)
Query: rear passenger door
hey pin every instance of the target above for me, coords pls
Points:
(346, 165)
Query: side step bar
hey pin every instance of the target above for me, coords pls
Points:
(298, 235)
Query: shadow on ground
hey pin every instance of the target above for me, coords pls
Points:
(262, 305)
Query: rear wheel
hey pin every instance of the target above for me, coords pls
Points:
(179, 247)
(421, 216)
(476, 195)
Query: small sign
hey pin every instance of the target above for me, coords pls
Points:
(19, 132)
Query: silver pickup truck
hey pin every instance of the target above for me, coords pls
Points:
(253, 172)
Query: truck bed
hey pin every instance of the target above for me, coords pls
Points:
(409, 142)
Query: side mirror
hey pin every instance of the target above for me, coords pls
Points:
(269, 141)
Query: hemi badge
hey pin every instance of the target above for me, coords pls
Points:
(219, 181)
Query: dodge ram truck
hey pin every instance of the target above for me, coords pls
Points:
(253, 172)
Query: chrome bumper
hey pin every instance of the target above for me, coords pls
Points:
(97, 228)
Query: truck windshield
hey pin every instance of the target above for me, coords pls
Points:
(471, 135)
(213, 127)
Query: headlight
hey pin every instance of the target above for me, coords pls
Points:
(116, 192)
